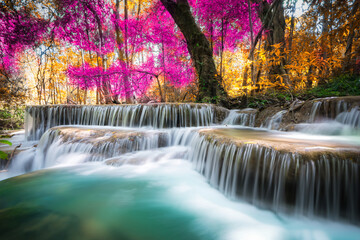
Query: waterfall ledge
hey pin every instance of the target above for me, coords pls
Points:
(160, 115)
(282, 173)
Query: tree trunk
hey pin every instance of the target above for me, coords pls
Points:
(210, 89)
(119, 40)
(350, 39)
(291, 34)
(106, 88)
(252, 43)
(127, 86)
(278, 28)
(211, 35)
(273, 20)
(160, 91)
(106, 85)
(325, 29)
(222, 47)
(164, 71)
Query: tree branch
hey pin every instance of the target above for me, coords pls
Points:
(264, 26)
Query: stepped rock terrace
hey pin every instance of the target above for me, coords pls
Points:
(41, 118)
(315, 174)
(283, 172)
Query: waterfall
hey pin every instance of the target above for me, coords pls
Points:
(351, 118)
(314, 111)
(310, 184)
(330, 108)
(329, 127)
(330, 116)
(254, 165)
(273, 123)
(245, 117)
(41, 118)
(329, 187)
(58, 144)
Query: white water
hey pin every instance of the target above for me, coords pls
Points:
(328, 127)
(164, 191)
(187, 191)
(350, 118)
(244, 117)
(314, 111)
(40, 118)
(327, 187)
(346, 123)
(251, 172)
(327, 117)
(273, 123)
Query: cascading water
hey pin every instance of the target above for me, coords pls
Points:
(351, 118)
(330, 108)
(313, 176)
(58, 144)
(314, 111)
(266, 177)
(332, 116)
(273, 123)
(41, 118)
(327, 127)
(329, 187)
(323, 183)
(245, 117)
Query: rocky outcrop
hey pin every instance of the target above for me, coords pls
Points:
(321, 108)
(41, 118)
(308, 111)
(282, 173)
(163, 115)
(243, 117)
(272, 170)
(94, 143)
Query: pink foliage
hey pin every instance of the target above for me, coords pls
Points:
(84, 24)
(152, 39)
(85, 76)
(227, 19)
(18, 30)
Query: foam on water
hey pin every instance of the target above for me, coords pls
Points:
(139, 198)
(154, 192)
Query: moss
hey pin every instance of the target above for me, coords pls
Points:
(11, 118)
(343, 85)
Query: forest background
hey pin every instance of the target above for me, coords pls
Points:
(238, 53)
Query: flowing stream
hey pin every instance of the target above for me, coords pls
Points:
(175, 172)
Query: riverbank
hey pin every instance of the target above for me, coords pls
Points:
(11, 118)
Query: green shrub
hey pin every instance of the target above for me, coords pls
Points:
(12, 117)
(4, 155)
(257, 103)
(344, 85)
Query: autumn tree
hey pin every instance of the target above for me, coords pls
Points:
(199, 49)
(21, 27)
(272, 16)
(130, 49)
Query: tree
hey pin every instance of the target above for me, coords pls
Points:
(354, 18)
(272, 17)
(20, 28)
(199, 48)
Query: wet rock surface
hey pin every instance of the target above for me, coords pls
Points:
(309, 111)
(159, 115)
(290, 172)
(285, 173)
(287, 142)
(163, 115)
